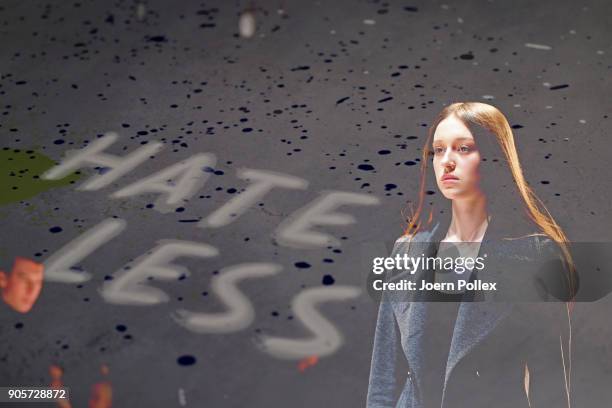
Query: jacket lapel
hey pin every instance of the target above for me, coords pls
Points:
(418, 310)
(475, 320)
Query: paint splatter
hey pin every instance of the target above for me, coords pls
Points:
(328, 280)
(20, 172)
(186, 360)
(538, 46)
(302, 265)
(181, 397)
(307, 362)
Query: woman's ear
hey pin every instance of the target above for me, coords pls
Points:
(3, 280)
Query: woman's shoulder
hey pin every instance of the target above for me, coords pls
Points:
(424, 235)
(417, 241)
(545, 266)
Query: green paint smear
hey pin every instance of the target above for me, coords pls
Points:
(20, 175)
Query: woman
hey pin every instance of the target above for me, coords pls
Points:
(507, 352)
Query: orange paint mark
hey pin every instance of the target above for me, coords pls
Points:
(307, 362)
(101, 393)
(56, 382)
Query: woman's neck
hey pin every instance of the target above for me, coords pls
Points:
(469, 220)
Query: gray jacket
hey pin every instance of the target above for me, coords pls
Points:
(502, 354)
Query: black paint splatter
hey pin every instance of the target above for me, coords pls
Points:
(186, 360)
(339, 101)
(328, 280)
(157, 38)
(302, 265)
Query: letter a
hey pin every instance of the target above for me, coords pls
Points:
(191, 173)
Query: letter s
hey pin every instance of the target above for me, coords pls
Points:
(480, 263)
(327, 338)
(240, 314)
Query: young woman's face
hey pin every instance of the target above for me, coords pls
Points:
(456, 160)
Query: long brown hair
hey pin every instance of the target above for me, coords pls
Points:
(481, 115)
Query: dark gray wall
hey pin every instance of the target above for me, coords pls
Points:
(73, 70)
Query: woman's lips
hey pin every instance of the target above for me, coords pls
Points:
(449, 179)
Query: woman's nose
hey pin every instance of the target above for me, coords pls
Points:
(448, 159)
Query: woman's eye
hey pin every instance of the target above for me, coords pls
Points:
(437, 150)
(464, 149)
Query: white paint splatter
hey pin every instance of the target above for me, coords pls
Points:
(489, 97)
(538, 46)
(247, 24)
(369, 21)
(181, 397)
(141, 11)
